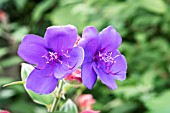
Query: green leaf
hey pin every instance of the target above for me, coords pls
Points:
(128, 91)
(41, 8)
(7, 93)
(10, 61)
(159, 104)
(25, 70)
(69, 107)
(2, 2)
(13, 83)
(3, 51)
(20, 4)
(5, 80)
(16, 88)
(59, 112)
(40, 99)
(20, 33)
(66, 15)
(67, 2)
(21, 106)
(148, 77)
(119, 106)
(156, 6)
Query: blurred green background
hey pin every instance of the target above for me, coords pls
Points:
(143, 24)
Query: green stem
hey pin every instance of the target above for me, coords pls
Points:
(57, 97)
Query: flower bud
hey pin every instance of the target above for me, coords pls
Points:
(4, 111)
(74, 78)
(85, 101)
(3, 16)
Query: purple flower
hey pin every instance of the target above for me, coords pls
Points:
(102, 58)
(54, 57)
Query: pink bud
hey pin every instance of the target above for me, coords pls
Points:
(4, 111)
(90, 111)
(74, 78)
(3, 16)
(85, 101)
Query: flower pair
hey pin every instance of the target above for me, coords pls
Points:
(55, 57)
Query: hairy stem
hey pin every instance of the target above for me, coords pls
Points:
(57, 97)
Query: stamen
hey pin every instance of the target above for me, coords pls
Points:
(60, 61)
(45, 56)
(66, 53)
(116, 56)
(50, 56)
(53, 56)
(106, 57)
(106, 60)
(69, 65)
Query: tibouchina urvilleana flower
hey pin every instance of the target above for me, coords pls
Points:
(102, 57)
(53, 56)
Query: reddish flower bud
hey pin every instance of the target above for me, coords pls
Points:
(3, 16)
(74, 78)
(85, 101)
(4, 111)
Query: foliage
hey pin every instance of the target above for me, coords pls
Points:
(144, 26)
(69, 107)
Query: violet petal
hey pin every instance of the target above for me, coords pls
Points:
(90, 41)
(41, 81)
(88, 74)
(110, 39)
(106, 79)
(119, 68)
(31, 49)
(60, 37)
(70, 62)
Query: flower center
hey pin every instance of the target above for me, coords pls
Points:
(105, 59)
(62, 58)
(50, 56)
